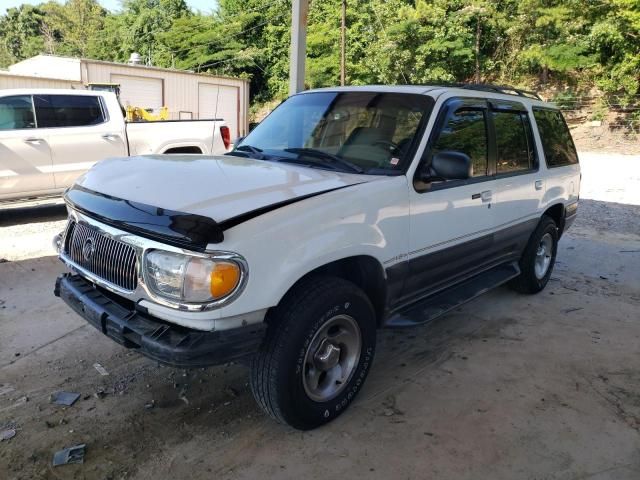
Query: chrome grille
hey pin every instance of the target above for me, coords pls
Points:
(109, 259)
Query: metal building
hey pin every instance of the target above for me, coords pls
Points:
(188, 95)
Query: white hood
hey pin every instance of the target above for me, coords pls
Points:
(216, 187)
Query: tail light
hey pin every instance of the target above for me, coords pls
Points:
(226, 136)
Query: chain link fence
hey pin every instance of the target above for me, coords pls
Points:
(599, 122)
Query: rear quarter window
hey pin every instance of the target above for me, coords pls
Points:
(557, 144)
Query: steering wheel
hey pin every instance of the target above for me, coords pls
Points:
(391, 146)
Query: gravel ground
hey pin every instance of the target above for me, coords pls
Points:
(507, 387)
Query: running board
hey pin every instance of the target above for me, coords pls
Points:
(438, 304)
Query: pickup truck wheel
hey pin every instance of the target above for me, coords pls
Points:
(538, 258)
(317, 353)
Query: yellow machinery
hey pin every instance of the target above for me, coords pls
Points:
(137, 114)
(133, 114)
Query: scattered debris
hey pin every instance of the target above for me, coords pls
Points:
(390, 407)
(69, 455)
(101, 370)
(569, 310)
(64, 398)
(150, 405)
(7, 434)
(100, 394)
(603, 277)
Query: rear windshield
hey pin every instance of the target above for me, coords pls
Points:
(372, 130)
(557, 144)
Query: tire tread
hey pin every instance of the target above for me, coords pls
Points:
(264, 365)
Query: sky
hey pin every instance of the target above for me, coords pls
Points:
(202, 5)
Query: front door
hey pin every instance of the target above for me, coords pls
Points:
(80, 133)
(452, 220)
(25, 157)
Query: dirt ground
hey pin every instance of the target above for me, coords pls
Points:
(507, 387)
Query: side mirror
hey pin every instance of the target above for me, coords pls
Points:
(451, 165)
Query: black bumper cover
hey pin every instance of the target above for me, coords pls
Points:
(167, 343)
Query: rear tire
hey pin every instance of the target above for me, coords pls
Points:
(317, 353)
(538, 259)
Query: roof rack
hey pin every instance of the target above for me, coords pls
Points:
(504, 89)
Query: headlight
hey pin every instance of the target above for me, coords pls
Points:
(191, 279)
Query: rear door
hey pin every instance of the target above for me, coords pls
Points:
(451, 221)
(80, 133)
(25, 157)
(519, 185)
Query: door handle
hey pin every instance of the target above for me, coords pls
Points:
(33, 140)
(538, 184)
(486, 195)
(111, 136)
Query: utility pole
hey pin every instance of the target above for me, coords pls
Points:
(299, 13)
(343, 43)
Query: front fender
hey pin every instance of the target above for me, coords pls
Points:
(282, 246)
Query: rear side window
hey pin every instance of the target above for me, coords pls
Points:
(68, 110)
(16, 113)
(466, 131)
(556, 139)
(514, 146)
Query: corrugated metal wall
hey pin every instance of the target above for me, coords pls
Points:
(8, 80)
(180, 89)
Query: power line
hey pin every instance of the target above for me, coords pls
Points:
(233, 17)
(385, 34)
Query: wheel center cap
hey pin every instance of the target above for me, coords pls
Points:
(327, 356)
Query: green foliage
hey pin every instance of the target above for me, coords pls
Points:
(577, 43)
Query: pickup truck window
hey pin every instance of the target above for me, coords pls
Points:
(68, 110)
(373, 131)
(16, 112)
(466, 131)
(557, 144)
(513, 141)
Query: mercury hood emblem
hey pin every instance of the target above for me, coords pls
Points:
(88, 249)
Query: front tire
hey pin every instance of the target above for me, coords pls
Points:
(538, 259)
(317, 353)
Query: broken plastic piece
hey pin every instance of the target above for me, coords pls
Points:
(64, 398)
(101, 370)
(7, 434)
(73, 454)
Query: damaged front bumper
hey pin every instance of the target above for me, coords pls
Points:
(164, 342)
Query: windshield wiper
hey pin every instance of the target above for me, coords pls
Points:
(248, 151)
(312, 152)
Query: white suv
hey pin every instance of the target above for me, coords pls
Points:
(345, 210)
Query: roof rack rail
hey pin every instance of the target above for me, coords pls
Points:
(504, 89)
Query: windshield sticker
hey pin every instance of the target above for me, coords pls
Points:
(394, 161)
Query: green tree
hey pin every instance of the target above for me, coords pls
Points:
(20, 36)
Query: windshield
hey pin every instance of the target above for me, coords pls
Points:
(361, 132)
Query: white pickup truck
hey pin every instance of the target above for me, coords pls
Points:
(49, 137)
(345, 210)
